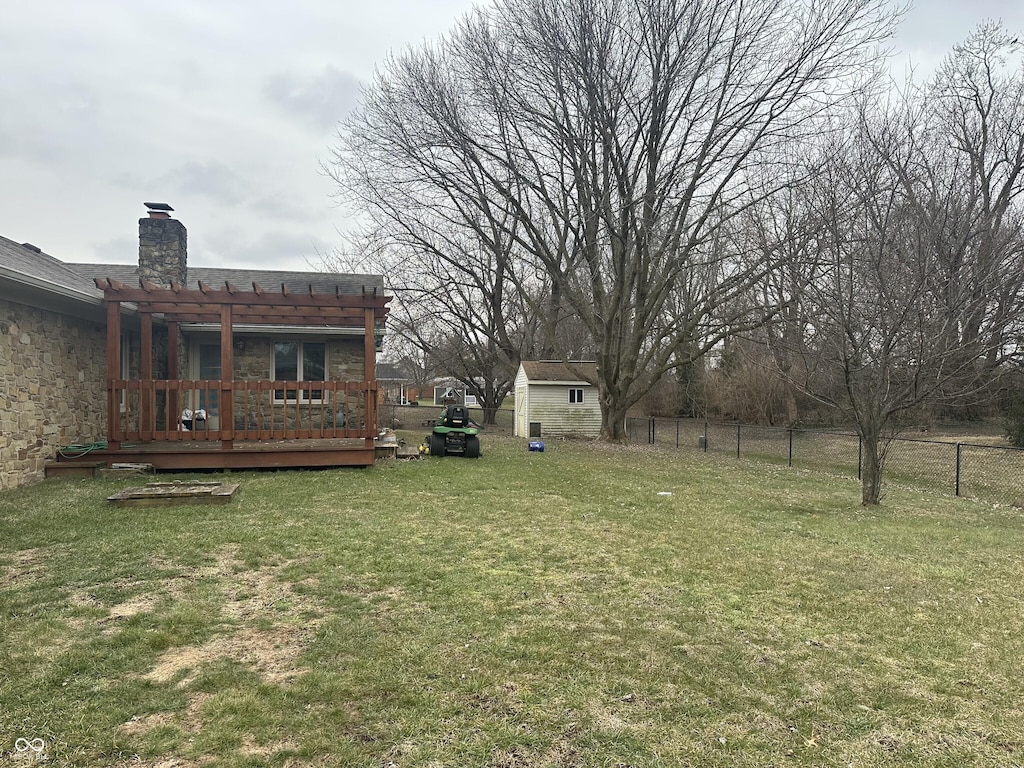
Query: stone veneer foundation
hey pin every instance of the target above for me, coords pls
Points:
(53, 370)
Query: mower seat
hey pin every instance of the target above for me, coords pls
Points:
(458, 416)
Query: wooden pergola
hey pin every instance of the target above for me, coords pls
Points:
(133, 405)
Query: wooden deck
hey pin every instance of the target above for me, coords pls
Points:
(247, 422)
(208, 454)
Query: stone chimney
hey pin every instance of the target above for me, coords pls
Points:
(163, 247)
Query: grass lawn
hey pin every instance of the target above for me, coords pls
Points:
(526, 609)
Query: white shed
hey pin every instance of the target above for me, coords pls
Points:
(552, 400)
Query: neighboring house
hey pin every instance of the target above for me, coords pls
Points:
(554, 399)
(450, 392)
(184, 367)
(395, 386)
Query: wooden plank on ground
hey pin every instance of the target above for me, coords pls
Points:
(163, 494)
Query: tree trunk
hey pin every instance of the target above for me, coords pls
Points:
(871, 468)
(489, 397)
(613, 421)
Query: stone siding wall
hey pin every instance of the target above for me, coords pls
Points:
(53, 392)
(345, 360)
(253, 356)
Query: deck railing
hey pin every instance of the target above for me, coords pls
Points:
(159, 410)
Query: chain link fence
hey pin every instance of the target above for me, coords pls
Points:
(992, 473)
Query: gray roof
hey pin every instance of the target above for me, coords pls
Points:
(267, 279)
(391, 372)
(29, 276)
(39, 271)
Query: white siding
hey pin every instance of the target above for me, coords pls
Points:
(549, 404)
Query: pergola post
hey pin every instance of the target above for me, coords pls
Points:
(369, 371)
(147, 422)
(227, 375)
(172, 374)
(113, 372)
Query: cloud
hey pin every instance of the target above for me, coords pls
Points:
(319, 101)
(282, 208)
(211, 178)
(120, 250)
(278, 250)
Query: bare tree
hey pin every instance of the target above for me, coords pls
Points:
(610, 141)
(454, 304)
(867, 349)
(961, 170)
(916, 286)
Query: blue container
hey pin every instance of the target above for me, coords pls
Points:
(537, 445)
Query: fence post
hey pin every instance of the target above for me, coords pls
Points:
(650, 437)
(791, 447)
(738, 428)
(705, 437)
(957, 489)
(860, 454)
(677, 434)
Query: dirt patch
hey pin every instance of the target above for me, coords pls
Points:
(141, 724)
(251, 749)
(133, 607)
(29, 566)
(515, 757)
(273, 653)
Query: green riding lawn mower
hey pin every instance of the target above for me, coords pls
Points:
(456, 434)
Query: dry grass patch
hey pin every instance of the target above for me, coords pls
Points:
(27, 566)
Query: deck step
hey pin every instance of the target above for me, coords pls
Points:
(73, 468)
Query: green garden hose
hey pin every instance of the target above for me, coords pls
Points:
(78, 450)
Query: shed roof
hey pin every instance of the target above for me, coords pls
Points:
(556, 371)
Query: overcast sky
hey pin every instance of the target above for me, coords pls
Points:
(225, 110)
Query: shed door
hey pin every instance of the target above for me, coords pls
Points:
(521, 419)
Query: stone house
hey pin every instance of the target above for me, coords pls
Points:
(52, 360)
(61, 372)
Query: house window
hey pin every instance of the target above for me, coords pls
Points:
(576, 395)
(299, 361)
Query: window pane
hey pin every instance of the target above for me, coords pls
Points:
(286, 361)
(312, 361)
(209, 361)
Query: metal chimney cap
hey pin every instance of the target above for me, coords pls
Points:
(158, 206)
